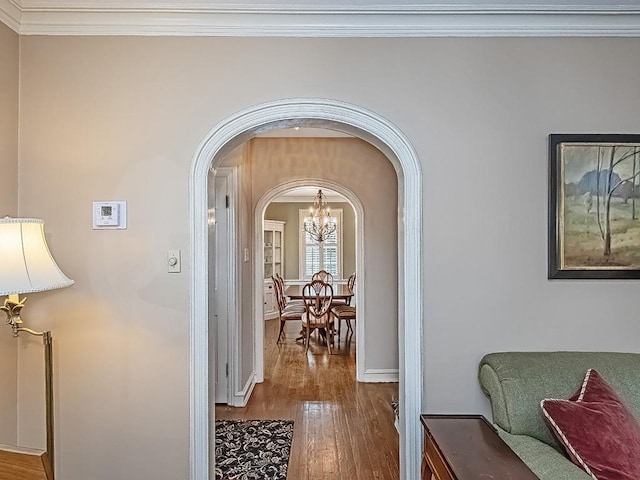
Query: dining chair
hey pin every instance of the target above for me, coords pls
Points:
(347, 314)
(286, 312)
(282, 288)
(317, 297)
(345, 311)
(351, 283)
(280, 280)
(323, 275)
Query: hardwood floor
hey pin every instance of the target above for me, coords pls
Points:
(343, 429)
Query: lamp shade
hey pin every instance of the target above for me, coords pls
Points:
(26, 265)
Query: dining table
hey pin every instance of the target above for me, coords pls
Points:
(340, 292)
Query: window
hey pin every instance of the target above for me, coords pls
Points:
(316, 256)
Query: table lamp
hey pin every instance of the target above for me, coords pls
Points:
(27, 267)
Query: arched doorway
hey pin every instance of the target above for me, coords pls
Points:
(259, 213)
(390, 140)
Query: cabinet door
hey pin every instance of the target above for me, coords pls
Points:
(277, 252)
(268, 254)
(269, 301)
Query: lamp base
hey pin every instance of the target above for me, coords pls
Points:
(12, 307)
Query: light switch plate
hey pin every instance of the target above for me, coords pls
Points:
(173, 261)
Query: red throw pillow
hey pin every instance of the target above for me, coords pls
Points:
(598, 431)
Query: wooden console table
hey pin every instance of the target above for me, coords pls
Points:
(466, 447)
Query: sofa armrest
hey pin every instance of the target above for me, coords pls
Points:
(543, 460)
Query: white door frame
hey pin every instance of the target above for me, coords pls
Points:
(232, 268)
(393, 143)
(219, 291)
(258, 290)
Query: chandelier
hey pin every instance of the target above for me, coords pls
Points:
(319, 225)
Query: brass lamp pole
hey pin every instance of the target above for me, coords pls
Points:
(27, 267)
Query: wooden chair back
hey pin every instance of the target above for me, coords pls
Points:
(286, 311)
(317, 297)
(351, 282)
(281, 300)
(351, 285)
(323, 275)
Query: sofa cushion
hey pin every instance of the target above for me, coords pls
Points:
(516, 382)
(543, 460)
(597, 430)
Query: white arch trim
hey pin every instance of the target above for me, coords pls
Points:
(401, 153)
(261, 206)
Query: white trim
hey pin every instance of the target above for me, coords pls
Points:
(261, 207)
(11, 14)
(585, 383)
(234, 280)
(392, 142)
(241, 397)
(381, 375)
(495, 19)
(258, 294)
(199, 445)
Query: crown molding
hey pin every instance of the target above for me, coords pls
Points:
(39, 17)
(10, 14)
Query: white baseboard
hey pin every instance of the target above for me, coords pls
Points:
(381, 375)
(240, 399)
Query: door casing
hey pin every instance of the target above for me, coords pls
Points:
(381, 133)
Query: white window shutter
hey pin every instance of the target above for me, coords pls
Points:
(312, 260)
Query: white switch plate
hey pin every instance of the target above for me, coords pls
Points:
(118, 207)
(173, 261)
(246, 254)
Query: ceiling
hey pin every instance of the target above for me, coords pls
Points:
(324, 18)
(307, 194)
(304, 132)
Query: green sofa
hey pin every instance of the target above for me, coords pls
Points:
(516, 382)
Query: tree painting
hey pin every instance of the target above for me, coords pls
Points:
(600, 227)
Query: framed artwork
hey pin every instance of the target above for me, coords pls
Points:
(594, 206)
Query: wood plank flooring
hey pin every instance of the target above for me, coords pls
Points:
(342, 429)
(20, 463)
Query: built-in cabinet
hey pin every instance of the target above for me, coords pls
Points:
(273, 235)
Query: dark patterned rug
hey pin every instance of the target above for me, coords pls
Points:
(253, 449)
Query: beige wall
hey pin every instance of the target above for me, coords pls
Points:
(120, 118)
(290, 212)
(8, 206)
(9, 68)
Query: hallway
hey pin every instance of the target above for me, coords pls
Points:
(343, 429)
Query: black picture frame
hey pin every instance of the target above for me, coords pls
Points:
(592, 178)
